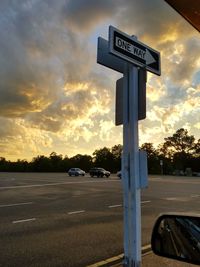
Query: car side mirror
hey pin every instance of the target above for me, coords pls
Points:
(177, 237)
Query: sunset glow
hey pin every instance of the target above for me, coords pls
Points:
(55, 97)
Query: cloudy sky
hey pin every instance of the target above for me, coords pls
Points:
(55, 97)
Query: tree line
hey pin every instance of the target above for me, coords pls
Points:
(179, 154)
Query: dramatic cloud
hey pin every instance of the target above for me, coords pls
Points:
(55, 97)
(83, 15)
(19, 140)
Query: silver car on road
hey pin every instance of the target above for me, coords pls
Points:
(76, 172)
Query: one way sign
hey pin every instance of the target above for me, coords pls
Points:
(130, 49)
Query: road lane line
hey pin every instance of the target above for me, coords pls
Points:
(194, 196)
(171, 198)
(146, 201)
(120, 205)
(76, 212)
(25, 220)
(16, 204)
(146, 250)
(117, 260)
(53, 184)
(114, 206)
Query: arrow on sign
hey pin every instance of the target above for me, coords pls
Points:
(149, 58)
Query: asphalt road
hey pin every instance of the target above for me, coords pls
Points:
(50, 219)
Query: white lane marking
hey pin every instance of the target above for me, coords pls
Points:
(183, 199)
(145, 249)
(194, 196)
(16, 204)
(25, 220)
(76, 212)
(120, 205)
(53, 184)
(114, 206)
(170, 198)
(146, 201)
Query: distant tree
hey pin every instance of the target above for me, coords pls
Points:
(4, 165)
(2, 160)
(104, 158)
(55, 157)
(55, 162)
(197, 148)
(81, 161)
(194, 164)
(20, 166)
(194, 161)
(179, 151)
(149, 148)
(152, 157)
(165, 151)
(41, 164)
(65, 165)
(167, 160)
(117, 151)
(117, 155)
(179, 147)
(180, 142)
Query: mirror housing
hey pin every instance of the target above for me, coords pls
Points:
(177, 236)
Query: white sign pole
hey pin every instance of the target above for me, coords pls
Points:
(134, 175)
(116, 54)
(125, 168)
(130, 170)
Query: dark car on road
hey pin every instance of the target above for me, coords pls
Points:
(76, 172)
(99, 172)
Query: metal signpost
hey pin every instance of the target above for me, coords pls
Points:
(124, 53)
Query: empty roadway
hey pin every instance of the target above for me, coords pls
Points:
(50, 219)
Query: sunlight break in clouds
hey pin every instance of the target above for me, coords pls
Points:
(55, 97)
